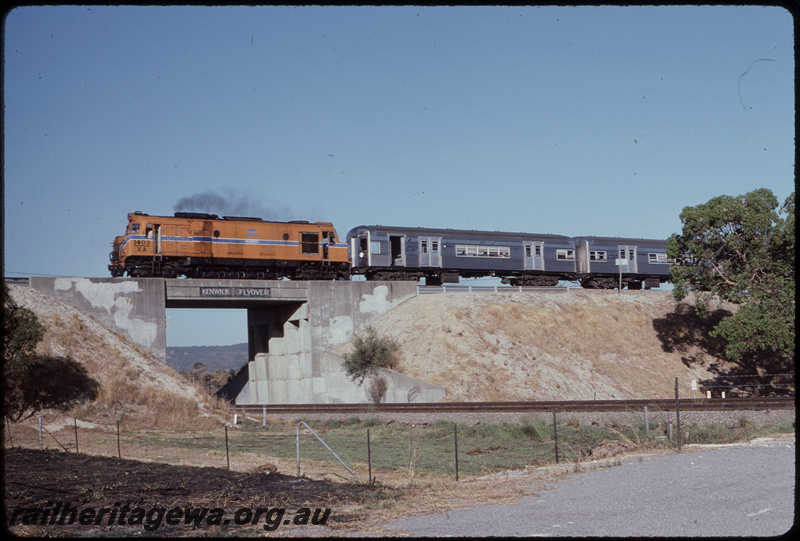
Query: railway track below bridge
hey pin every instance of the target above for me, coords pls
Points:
(685, 404)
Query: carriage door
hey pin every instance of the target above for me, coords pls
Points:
(534, 255)
(628, 253)
(397, 251)
(359, 250)
(430, 254)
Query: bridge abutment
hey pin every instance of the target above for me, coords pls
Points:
(134, 308)
(293, 328)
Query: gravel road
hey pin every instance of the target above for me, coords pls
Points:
(734, 490)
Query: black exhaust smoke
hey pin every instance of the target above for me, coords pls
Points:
(231, 203)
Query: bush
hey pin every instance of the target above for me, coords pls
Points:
(22, 331)
(370, 353)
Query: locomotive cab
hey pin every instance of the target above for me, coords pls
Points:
(122, 245)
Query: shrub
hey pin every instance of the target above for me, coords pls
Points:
(22, 331)
(370, 353)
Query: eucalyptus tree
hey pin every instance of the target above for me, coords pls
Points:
(740, 249)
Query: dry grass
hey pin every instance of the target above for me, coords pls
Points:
(132, 385)
(528, 346)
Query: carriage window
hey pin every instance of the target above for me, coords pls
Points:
(469, 250)
(434, 247)
(630, 254)
(565, 255)
(134, 229)
(309, 243)
(375, 247)
(597, 255)
(527, 251)
(538, 251)
(659, 258)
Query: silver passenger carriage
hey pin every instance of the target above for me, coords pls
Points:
(605, 262)
(444, 255)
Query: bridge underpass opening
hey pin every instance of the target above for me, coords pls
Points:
(263, 326)
(188, 327)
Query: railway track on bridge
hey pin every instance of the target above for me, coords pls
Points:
(685, 404)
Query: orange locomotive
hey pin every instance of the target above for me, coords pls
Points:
(199, 245)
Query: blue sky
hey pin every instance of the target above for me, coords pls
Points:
(569, 120)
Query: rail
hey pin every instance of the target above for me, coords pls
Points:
(687, 404)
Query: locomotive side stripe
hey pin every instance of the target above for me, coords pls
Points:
(215, 240)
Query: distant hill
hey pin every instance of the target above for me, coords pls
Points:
(215, 357)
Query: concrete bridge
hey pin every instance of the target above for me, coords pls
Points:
(293, 328)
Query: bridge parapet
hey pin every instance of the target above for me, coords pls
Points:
(232, 293)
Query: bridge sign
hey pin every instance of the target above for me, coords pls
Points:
(234, 292)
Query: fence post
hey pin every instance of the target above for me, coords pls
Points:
(41, 441)
(119, 449)
(455, 440)
(369, 459)
(646, 423)
(555, 434)
(76, 434)
(227, 454)
(678, 414)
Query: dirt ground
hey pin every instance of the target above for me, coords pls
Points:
(43, 479)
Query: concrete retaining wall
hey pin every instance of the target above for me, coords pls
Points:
(304, 370)
(131, 307)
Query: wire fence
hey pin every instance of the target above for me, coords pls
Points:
(365, 449)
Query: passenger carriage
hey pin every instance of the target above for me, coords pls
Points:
(444, 255)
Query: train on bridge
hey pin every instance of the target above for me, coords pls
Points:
(200, 245)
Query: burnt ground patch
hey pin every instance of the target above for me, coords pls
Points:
(39, 479)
